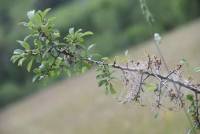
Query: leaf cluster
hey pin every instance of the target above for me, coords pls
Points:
(46, 53)
(104, 77)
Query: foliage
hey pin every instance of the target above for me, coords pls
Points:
(117, 24)
(45, 52)
(104, 78)
(49, 55)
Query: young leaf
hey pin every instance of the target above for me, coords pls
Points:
(24, 44)
(18, 51)
(183, 61)
(14, 58)
(29, 65)
(71, 30)
(90, 47)
(35, 78)
(45, 12)
(20, 62)
(150, 87)
(25, 24)
(112, 90)
(196, 69)
(86, 34)
(36, 20)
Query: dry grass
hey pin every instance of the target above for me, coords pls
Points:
(78, 106)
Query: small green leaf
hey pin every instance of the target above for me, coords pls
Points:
(27, 37)
(150, 86)
(20, 62)
(24, 44)
(71, 30)
(183, 61)
(25, 24)
(102, 82)
(84, 69)
(14, 58)
(18, 51)
(45, 12)
(38, 43)
(190, 97)
(86, 34)
(99, 76)
(58, 61)
(36, 20)
(197, 69)
(90, 47)
(29, 65)
(35, 78)
(56, 34)
(112, 90)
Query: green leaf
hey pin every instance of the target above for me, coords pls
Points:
(45, 12)
(99, 76)
(90, 47)
(150, 86)
(197, 69)
(27, 37)
(56, 34)
(18, 51)
(46, 52)
(45, 29)
(35, 78)
(112, 90)
(183, 61)
(88, 33)
(71, 30)
(24, 44)
(58, 61)
(25, 24)
(36, 20)
(84, 69)
(190, 97)
(102, 82)
(38, 43)
(20, 62)
(14, 58)
(29, 65)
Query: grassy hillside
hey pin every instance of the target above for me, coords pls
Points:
(78, 106)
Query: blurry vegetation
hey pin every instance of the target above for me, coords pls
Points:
(117, 25)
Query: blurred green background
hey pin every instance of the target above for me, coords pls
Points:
(117, 24)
